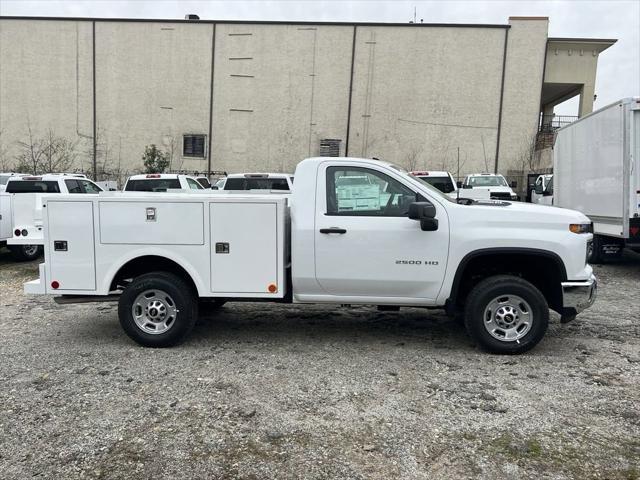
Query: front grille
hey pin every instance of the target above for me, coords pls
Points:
(501, 195)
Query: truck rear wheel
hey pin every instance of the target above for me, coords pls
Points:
(158, 309)
(25, 253)
(506, 314)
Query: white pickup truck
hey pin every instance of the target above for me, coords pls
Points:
(495, 184)
(161, 182)
(396, 243)
(25, 207)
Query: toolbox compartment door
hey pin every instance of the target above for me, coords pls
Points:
(70, 248)
(244, 248)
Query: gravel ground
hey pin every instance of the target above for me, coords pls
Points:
(267, 391)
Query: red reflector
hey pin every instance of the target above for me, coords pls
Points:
(272, 288)
(55, 285)
(153, 175)
(17, 232)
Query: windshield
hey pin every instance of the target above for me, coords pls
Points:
(444, 184)
(4, 180)
(487, 181)
(256, 184)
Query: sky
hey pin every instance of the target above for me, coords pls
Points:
(618, 67)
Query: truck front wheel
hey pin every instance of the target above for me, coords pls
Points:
(506, 314)
(158, 309)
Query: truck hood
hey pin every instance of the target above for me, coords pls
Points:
(527, 212)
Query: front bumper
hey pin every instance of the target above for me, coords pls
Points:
(579, 295)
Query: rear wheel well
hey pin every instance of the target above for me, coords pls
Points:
(544, 270)
(147, 264)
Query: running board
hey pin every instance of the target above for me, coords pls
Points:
(67, 299)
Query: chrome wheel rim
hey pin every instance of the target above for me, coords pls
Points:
(30, 250)
(508, 318)
(154, 312)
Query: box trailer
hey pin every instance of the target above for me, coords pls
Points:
(596, 163)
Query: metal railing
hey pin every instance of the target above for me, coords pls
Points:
(551, 123)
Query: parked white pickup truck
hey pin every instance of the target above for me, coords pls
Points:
(26, 207)
(161, 182)
(396, 243)
(274, 182)
(496, 184)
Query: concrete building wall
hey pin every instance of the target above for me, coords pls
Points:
(411, 94)
(420, 93)
(278, 90)
(524, 70)
(45, 84)
(152, 86)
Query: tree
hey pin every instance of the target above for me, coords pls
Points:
(5, 163)
(47, 154)
(412, 157)
(154, 160)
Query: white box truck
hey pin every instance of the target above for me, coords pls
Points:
(498, 265)
(596, 165)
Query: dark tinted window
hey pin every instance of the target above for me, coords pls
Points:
(204, 182)
(33, 186)
(152, 185)
(256, 184)
(444, 184)
(73, 186)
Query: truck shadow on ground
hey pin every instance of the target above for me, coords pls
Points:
(238, 322)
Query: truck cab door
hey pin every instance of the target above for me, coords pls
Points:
(365, 244)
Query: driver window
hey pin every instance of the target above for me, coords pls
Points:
(364, 192)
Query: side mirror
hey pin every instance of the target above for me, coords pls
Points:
(466, 186)
(538, 189)
(425, 212)
(514, 184)
(459, 184)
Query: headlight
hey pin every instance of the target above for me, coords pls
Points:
(581, 227)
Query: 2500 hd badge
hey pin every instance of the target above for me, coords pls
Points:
(417, 262)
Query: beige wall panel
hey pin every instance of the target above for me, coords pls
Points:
(522, 90)
(45, 83)
(278, 89)
(153, 86)
(419, 93)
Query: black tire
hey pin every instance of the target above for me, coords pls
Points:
(26, 253)
(177, 295)
(493, 288)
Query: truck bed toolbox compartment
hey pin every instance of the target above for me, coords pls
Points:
(151, 222)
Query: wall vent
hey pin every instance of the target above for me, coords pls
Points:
(330, 147)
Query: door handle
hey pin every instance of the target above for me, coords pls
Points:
(333, 230)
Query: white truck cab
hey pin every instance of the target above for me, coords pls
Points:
(542, 193)
(496, 184)
(276, 182)
(26, 207)
(391, 241)
(161, 182)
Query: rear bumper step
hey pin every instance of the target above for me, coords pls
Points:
(67, 299)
